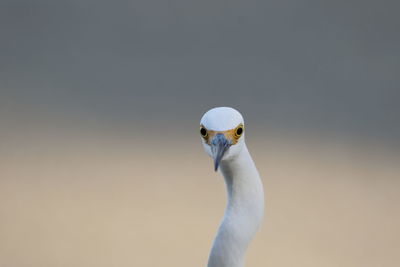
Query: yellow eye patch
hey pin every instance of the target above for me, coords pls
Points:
(232, 135)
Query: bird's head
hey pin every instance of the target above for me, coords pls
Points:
(222, 133)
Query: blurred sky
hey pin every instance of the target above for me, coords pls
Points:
(298, 66)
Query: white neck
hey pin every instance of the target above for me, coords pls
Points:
(243, 214)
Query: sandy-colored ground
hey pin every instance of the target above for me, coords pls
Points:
(96, 202)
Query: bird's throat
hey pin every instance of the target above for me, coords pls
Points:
(243, 213)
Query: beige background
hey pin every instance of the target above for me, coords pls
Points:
(77, 200)
(100, 157)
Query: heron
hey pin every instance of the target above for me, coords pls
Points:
(223, 137)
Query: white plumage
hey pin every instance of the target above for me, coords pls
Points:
(222, 131)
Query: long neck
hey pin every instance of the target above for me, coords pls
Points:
(243, 214)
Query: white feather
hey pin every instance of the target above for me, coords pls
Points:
(221, 119)
(245, 208)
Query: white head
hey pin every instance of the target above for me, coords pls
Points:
(222, 133)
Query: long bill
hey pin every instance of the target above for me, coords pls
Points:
(219, 145)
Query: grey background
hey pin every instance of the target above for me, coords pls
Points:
(306, 66)
(100, 156)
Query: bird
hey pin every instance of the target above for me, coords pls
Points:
(222, 134)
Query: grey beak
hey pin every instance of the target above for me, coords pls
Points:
(219, 145)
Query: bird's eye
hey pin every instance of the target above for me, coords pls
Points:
(239, 131)
(203, 132)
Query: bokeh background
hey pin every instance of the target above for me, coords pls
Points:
(100, 157)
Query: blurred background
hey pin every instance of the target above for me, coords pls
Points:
(100, 156)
